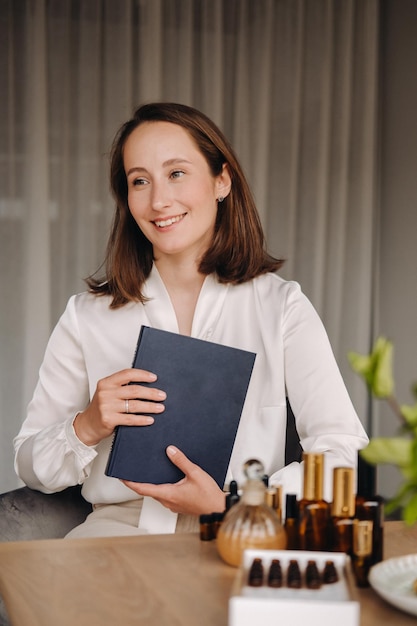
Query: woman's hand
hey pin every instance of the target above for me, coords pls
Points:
(195, 494)
(116, 402)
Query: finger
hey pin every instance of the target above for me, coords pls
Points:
(179, 459)
(131, 375)
(161, 493)
(139, 392)
(146, 489)
(131, 419)
(136, 407)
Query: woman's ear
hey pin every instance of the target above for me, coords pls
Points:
(223, 182)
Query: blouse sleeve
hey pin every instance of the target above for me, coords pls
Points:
(325, 417)
(48, 454)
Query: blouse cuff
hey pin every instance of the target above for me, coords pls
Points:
(84, 452)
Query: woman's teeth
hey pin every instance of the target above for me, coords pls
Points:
(168, 222)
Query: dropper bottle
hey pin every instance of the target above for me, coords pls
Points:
(370, 506)
(314, 511)
(250, 523)
(342, 509)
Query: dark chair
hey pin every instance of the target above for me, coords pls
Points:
(293, 449)
(27, 514)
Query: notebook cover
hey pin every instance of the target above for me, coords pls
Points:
(206, 385)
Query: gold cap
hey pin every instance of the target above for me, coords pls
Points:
(313, 475)
(362, 537)
(343, 504)
(273, 498)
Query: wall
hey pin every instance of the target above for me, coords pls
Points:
(397, 310)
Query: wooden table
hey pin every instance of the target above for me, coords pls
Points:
(174, 580)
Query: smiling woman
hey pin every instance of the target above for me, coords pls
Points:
(186, 254)
(172, 194)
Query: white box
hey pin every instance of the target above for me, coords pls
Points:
(332, 604)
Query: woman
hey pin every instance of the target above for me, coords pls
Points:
(186, 254)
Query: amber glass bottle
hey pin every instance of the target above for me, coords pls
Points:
(370, 506)
(313, 510)
(273, 498)
(362, 551)
(342, 509)
(291, 521)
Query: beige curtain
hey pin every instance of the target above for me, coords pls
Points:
(293, 83)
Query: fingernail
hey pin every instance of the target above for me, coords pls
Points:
(161, 394)
(172, 450)
(152, 376)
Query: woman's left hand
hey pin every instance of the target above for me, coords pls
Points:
(195, 494)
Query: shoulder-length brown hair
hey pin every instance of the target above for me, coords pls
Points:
(237, 252)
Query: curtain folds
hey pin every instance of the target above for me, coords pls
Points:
(293, 84)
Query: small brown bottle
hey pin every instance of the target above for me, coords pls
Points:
(256, 573)
(294, 579)
(342, 510)
(206, 527)
(362, 551)
(312, 575)
(370, 506)
(233, 496)
(273, 496)
(313, 510)
(291, 521)
(275, 574)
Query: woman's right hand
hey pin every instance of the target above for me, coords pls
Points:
(117, 402)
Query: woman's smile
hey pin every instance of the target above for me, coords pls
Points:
(168, 221)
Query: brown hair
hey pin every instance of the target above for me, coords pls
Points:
(237, 252)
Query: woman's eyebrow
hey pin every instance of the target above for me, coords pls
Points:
(168, 163)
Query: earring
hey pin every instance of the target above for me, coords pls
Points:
(220, 199)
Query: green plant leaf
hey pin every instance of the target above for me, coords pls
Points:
(393, 450)
(409, 513)
(410, 414)
(361, 364)
(401, 497)
(376, 368)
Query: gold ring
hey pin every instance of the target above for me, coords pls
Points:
(126, 406)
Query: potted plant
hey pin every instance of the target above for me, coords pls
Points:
(401, 450)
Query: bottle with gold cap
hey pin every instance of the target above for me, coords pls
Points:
(273, 498)
(342, 509)
(250, 523)
(313, 510)
(370, 506)
(362, 551)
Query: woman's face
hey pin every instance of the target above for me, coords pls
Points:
(172, 193)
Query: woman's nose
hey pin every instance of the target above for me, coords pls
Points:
(160, 196)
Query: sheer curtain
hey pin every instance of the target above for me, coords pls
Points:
(293, 84)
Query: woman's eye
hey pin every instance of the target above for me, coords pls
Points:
(138, 181)
(177, 174)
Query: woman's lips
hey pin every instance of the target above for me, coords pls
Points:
(169, 221)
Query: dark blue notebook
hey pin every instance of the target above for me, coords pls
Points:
(206, 385)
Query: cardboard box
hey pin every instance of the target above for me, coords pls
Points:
(330, 605)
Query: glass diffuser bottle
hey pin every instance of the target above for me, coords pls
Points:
(251, 523)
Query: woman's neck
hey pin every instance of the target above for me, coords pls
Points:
(183, 282)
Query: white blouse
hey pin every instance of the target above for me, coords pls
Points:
(267, 315)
